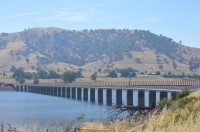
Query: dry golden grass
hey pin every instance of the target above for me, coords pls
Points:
(185, 119)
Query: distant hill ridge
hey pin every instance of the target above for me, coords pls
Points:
(43, 46)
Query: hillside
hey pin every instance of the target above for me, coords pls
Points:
(55, 48)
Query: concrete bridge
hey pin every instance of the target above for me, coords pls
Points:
(134, 95)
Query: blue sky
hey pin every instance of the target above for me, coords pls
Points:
(177, 19)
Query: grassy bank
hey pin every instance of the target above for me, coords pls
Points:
(180, 115)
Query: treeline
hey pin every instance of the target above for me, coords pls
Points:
(126, 73)
(20, 75)
(183, 75)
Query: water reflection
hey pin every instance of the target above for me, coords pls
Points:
(25, 108)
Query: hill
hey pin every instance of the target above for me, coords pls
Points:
(55, 48)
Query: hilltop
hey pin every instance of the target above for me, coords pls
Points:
(55, 48)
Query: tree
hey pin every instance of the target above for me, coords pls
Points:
(4, 74)
(36, 81)
(28, 75)
(19, 75)
(21, 80)
(53, 75)
(69, 76)
(94, 76)
(128, 73)
(112, 74)
(42, 74)
(79, 74)
(13, 68)
(174, 65)
(158, 73)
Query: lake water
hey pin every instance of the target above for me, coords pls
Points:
(21, 109)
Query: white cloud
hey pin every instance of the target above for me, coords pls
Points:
(68, 16)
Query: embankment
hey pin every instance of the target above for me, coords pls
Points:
(180, 115)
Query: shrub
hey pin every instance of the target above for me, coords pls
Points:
(165, 103)
(182, 94)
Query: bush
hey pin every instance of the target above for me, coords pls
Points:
(182, 102)
(69, 76)
(94, 76)
(36, 81)
(165, 103)
(182, 94)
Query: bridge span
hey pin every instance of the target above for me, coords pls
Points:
(134, 95)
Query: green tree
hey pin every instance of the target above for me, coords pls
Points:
(129, 72)
(13, 68)
(79, 74)
(53, 74)
(94, 76)
(69, 76)
(112, 74)
(158, 73)
(19, 75)
(174, 65)
(42, 74)
(28, 75)
(36, 81)
(182, 94)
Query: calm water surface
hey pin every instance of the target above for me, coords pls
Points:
(19, 108)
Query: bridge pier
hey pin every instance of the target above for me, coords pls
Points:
(96, 96)
(65, 92)
(82, 94)
(135, 97)
(114, 96)
(146, 98)
(169, 94)
(89, 96)
(157, 97)
(124, 97)
(104, 96)
(76, 91)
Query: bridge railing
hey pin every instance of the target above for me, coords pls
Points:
(182, 83)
